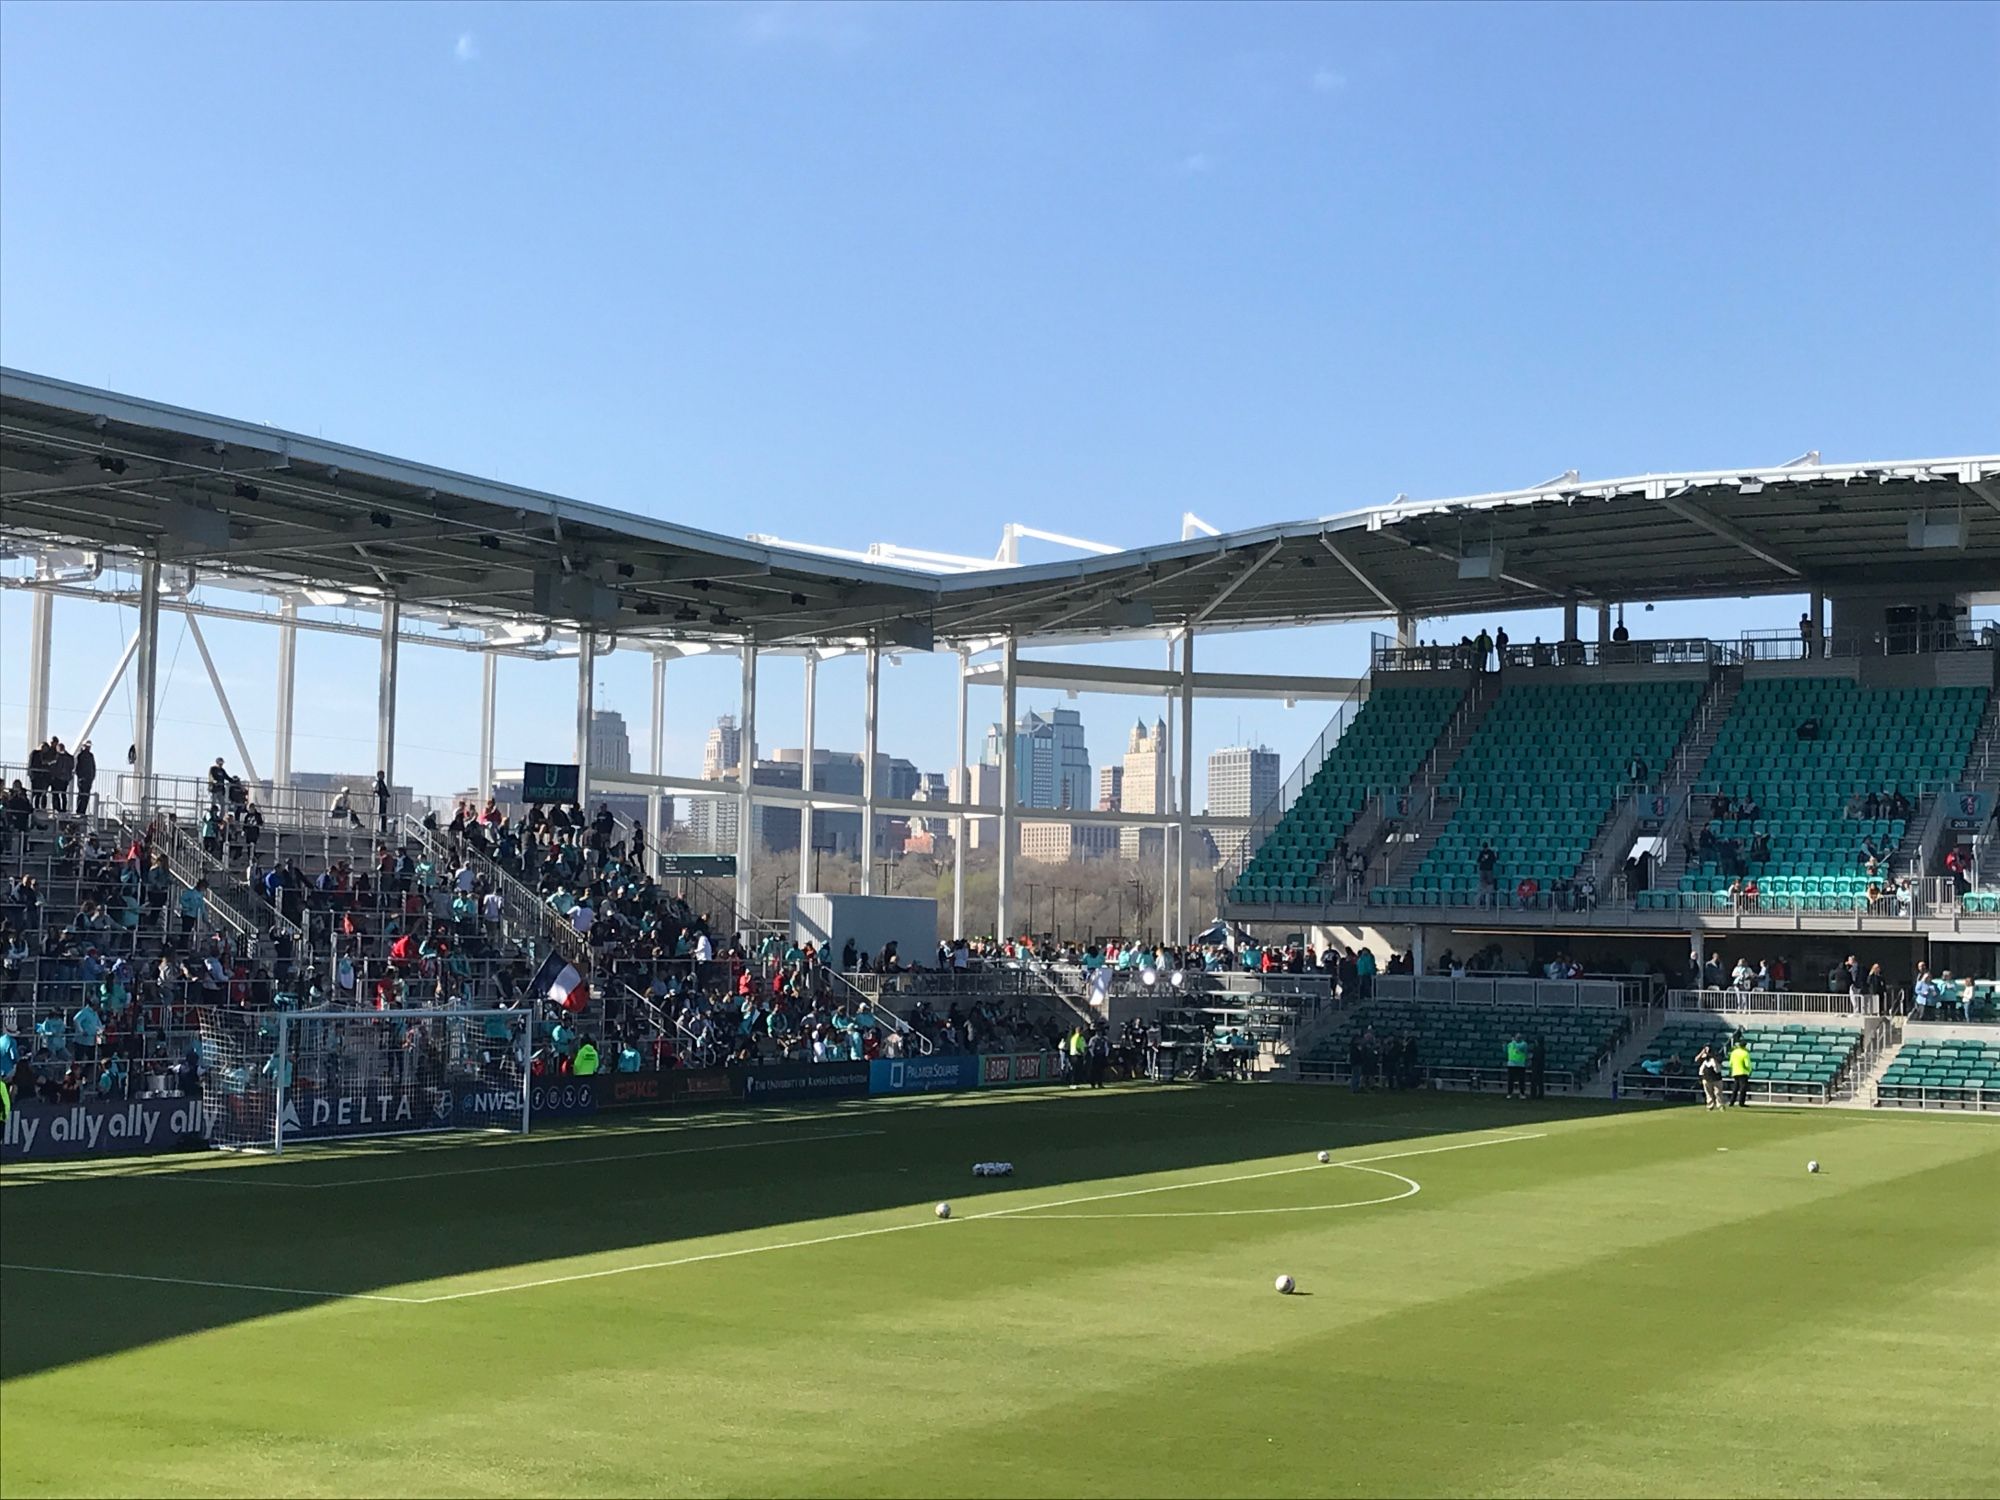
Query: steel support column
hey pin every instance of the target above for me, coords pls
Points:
(489, 696)
(1187, 787)
(1569, 617)
(221, 697)
(146, 680)
(746, 773)
(870, 737)
(586, 701)
(110, 687)
(1164, 796)
(385, 692)
(806, 768)
(288, 669)
(961, 792)
(1406, 631)
(1004, 906)
(656, 836)
(41, 628)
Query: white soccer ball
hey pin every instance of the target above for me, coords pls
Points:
(944, 1210)
(1286, 1285)
(1812, 1166)
(1325, 1156)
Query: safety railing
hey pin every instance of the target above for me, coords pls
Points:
(1742, 1001)
(1264, 820)
(1437, 989)
(1973, 632)
(1465, 656)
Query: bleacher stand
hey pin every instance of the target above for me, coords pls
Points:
(1536, 783)
(1464, 1046)
(1382, 749)
(1832, 773)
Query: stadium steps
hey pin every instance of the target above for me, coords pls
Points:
(1389, 864)
(1857, 1086)
(524, 913)
(1685, 769)
(1634, 1047)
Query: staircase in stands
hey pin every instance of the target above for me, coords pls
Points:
(1680, 776)
(1391, 863)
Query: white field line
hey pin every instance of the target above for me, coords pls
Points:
(1411, 1187)
(228, 1286)
(860, 1234)
(1175, 1187)
(715, 1255)
(662, 1265)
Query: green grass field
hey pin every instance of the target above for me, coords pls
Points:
(1550, 1299)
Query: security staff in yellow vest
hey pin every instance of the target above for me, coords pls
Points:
(1517, 1067)
(1073, 1056)
(1740, 1069)
(586, 1059)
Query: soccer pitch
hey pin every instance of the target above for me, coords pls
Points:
(1556, 1298)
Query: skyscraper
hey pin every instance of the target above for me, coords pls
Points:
(1051, 760)
(1146, 787)
(1242, 780)
(724, 751)
(610, 746)
(1110, 788)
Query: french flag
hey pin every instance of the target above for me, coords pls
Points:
(558, 979)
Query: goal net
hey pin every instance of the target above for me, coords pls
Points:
(273, 1079)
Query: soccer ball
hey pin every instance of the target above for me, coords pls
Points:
(1325, 1157)
(1812, 1166)
(944, 1210)
(1285, 1285)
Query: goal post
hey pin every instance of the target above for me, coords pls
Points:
(274, 1079)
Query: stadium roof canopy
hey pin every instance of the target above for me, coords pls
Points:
(91, 469)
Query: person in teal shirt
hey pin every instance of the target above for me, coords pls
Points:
(1517, 1066)
(193, 905)
(89, 1026)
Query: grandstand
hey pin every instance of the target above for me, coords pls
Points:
(1647, 797)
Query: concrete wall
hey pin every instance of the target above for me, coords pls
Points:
(828, 921)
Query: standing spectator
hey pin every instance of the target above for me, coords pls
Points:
(40, 758)
(86, 777)
(1517, 1067)
(62, 768)
(1709, 1070)
(1740, 1069)
(193, 905)
(382, 801)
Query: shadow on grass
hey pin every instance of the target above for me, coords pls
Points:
(353, 1219)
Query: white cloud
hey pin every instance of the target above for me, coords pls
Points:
(833, 25)
(1327, 81)
(466, 48)
(1196, 162)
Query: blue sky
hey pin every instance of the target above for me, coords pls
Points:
(847, 273)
